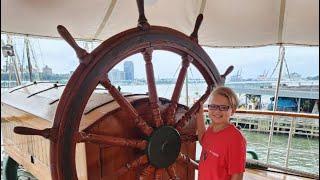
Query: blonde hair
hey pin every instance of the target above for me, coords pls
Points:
(228, 93)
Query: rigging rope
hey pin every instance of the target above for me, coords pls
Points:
(166, 91)
(195, 86)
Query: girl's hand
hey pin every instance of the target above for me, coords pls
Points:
(200, 123)
(199, 114)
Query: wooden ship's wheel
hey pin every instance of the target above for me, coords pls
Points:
(155, 137)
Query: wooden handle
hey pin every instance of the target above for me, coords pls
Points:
(142, 17)
(30, 131)
(64, 33)
(142, 21)
(194, 34)
(228, 71)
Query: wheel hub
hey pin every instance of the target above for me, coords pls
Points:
(164, 147)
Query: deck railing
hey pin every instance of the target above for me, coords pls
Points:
(296, 127)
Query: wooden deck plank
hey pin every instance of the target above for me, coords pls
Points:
(253, 174)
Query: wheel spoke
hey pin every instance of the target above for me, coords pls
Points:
(147, 172)
(185, 138)
(172, 173)
(185, 159)
(170, 111)
(111, 140)
(185, 118)
(126, 106)
(142, 160)
(153, 97)
(158, 174)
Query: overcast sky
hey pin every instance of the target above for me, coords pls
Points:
(251, 62)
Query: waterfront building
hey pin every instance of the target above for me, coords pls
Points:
(46, 70)
(116, 75)
(129, 71)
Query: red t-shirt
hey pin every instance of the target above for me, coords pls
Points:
(223, 154)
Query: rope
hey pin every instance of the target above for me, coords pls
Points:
(195, 86)
(40, 52)
(166, 91)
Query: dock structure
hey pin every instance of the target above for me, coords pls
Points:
(295, 98)
(282, 125)
(311, 93)
(297, 126)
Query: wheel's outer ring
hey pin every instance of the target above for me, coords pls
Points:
(86, 77)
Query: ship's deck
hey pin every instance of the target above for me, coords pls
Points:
(254, 174)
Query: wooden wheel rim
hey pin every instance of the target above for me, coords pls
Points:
(86, 77)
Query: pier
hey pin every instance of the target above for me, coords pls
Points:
(297, 124)
(309, 92)
(301, 127)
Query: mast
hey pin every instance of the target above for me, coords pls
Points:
(6, 66)
(13, 61)
(281, 59)
(27, 43)
(10, 59)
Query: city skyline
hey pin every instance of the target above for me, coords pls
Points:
(59, 56)
(127, 74)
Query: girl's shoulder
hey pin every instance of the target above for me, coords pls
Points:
(236, 133)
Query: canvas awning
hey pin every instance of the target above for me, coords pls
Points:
(227, 23)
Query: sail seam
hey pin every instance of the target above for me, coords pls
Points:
(105, 19)
(281, 21)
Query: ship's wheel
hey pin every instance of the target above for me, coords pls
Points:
(162, 147)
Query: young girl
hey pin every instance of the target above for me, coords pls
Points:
(223, 155)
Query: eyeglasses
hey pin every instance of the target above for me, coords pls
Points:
(220, 107)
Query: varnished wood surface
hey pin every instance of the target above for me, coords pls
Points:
(105, 160)
(39, 113)
(30, 151)
(22, 148)
(107, 119)
(253, 174)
